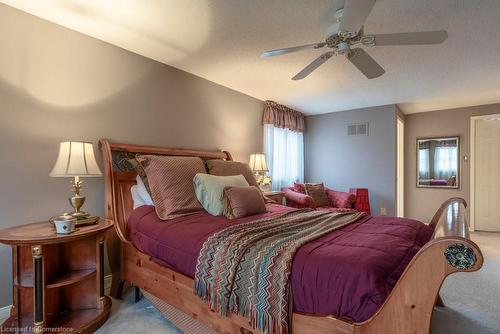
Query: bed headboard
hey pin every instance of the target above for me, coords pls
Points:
(119, 176)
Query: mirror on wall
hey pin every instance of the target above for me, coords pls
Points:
(438, 162)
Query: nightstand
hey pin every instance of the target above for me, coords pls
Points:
(58, 278)
(277, 196)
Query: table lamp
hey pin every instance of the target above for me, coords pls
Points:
(258, 165)
(76, 159)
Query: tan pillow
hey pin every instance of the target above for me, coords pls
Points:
(318, 193)
(228, 168)
(171, 183)
(242, 201)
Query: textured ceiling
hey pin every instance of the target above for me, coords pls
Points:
(221, 40)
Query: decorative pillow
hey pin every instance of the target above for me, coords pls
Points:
(242, 201)
(141, 173)
(318, 193)
(171, 183)
(209, 188)
(299, 187)
(227, 168)
(341, 199)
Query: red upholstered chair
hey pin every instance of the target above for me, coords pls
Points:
(360, 202)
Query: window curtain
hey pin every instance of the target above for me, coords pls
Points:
(445, 162)
(283, 144)
(424, 163)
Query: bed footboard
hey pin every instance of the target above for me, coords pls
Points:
(409, 307)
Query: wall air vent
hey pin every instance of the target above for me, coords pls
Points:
(360, 129)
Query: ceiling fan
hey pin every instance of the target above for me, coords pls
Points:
(348, 32)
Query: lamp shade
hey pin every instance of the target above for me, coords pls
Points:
(75, 159)
(258, 162)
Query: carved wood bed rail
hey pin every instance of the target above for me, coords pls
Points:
(407, 309)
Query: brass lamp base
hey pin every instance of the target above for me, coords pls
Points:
(77, 202)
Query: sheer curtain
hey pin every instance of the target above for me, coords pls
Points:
(284, 151)
(423, 166)
(283, 144)
(445, 162)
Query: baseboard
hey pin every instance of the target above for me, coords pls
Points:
(5, 311)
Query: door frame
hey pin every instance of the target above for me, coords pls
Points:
(400, 166)
(472, 190)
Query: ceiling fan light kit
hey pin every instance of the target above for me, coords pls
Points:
(348, 31)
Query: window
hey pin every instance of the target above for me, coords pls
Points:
(284, 151)
(445, 162)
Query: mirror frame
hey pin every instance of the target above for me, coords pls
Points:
(459, 160)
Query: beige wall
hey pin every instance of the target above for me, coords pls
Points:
(421, 203)
(56, 85)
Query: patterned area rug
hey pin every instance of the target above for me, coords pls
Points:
(142, 317)
(180, 319)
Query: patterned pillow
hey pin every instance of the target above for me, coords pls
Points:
(242, 201)
(318, 193)
(228, 168)
(341, 199)
(171, 183)
(299, 187)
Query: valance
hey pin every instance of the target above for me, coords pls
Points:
(447, 143)
(424, 145)
(283, 117)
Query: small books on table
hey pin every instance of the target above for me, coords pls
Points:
(87, 220)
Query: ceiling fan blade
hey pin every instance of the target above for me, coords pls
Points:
(283, 51)
(365, 63)
(412, 38)
(314, 65)
(354, 14)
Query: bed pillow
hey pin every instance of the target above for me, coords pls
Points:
(242, 201)
(318, 193)
(171, 182)
(227, 168)
(143, 192)
(209, 188)
(137, 200)
(141, 173)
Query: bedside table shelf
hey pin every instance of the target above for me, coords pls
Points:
(71, 277)
(58, 279)
(84, 320)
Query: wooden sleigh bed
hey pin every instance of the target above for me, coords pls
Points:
(407, 309)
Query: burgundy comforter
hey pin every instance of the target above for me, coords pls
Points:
(348, 273)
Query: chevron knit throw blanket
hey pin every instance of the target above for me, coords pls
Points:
(245, 269)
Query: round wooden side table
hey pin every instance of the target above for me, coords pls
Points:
(58, 279)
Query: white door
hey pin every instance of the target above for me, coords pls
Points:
(487, 175)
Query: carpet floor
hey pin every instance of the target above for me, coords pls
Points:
(472, 302)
